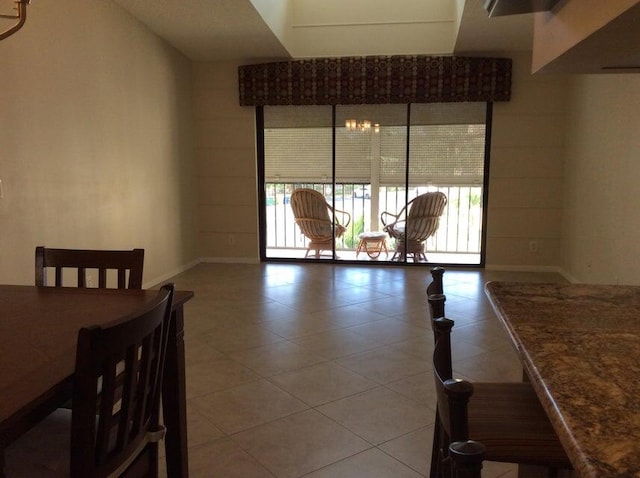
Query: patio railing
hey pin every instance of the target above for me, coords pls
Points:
(460, 225)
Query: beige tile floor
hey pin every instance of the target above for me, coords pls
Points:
(322, 370)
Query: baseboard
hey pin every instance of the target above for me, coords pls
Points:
(568, 276)
(523, 268)
(529, 268)
(230, 260)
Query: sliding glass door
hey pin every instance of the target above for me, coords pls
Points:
(369, 162)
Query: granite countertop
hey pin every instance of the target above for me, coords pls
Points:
(580, 346)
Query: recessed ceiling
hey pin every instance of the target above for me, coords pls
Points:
(219, 30)
(206, 30)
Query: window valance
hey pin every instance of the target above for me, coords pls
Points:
(375, 80)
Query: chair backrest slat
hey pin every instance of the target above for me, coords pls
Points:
(419, 219)
(126, 263)
(428, 204)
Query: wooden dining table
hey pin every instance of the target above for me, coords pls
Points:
(580, 348)
(38, 333)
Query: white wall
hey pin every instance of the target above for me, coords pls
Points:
(601, 217)
(95, 140)
(527, 169)
(227, 167)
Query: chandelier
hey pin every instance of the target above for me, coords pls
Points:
(363, 126)
(20, 16)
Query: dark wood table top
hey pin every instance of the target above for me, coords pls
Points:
(580, 346)
(38, 333)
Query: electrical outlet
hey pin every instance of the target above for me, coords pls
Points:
(231, 239)
(533, 246)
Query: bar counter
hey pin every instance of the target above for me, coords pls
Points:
(580, 346)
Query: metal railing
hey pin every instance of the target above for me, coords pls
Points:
(460, 228)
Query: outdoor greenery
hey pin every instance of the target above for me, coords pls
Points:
(353, 231)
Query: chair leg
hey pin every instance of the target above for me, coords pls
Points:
(440, 461)
(467, 459)
(435, 449)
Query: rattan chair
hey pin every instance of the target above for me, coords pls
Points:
(421, 222)
(318, 220)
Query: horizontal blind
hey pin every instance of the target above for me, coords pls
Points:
(446, 154)
(353, 156)
(446, 144)
(393, 155)
(298, 144)
(298, 155)
(304, 155)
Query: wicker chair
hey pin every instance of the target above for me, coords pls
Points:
(317, 220)
(422, 221)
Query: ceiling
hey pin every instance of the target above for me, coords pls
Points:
(208, 30)
(220, 30)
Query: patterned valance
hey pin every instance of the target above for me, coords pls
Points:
(375, 80)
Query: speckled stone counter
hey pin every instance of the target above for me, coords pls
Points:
(580, 346)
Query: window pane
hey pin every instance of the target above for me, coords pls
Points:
(359, 157)
(374, 162)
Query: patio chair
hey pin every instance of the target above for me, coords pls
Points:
(422, 221)
(317, 220)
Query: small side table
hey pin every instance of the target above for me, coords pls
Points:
(373, 243)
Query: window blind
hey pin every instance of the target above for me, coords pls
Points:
(446, 144)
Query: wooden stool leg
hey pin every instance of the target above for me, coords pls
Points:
(467, 459)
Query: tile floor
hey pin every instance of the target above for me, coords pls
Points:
(322, 370)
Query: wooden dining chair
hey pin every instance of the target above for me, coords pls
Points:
(128, 265)
(113, 428)
(506, 417)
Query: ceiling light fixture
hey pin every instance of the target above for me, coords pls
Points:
(364, 126)
(21, 16)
